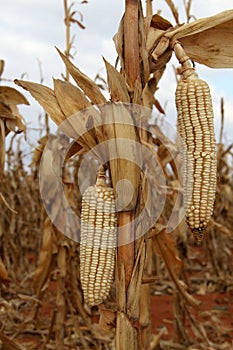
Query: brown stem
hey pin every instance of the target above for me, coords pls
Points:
(67, 23)
(131, 43)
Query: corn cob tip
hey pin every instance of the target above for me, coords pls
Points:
(198, 235)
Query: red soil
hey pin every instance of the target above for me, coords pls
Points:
(216, 311)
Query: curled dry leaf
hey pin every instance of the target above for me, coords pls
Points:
(208, 40)
(11, 96)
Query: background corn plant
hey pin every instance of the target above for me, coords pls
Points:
(40, 263)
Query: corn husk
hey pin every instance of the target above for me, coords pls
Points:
(208, 41)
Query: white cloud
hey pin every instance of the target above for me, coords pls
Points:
(31, 29)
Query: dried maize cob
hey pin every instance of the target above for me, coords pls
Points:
(196, 129)
(98, 241)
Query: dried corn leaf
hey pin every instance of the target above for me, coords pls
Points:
(11, 96)
(119, 44)
(5, 111)
(45, 256)
(117, 85)
(208, 40)
(46, 98)
(71, 101)
(155, 26)
(142, 47)
(165, 247)
(148, 93)
(134, 288)
(69, 97)
(84, 82)
(37, 153)
(74, 149)
(16, 125)
(168, 242)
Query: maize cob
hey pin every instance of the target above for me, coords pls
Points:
(196, 129)
(98, 241)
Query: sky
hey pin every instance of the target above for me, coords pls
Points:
(30, 30)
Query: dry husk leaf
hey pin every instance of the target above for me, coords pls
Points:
(208, 40)
(125, 332)
(122, 150)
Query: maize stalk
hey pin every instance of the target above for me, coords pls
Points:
(196, 129)
(98, 241)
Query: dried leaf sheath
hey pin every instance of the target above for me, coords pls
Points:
(98, 241)
(196, 128)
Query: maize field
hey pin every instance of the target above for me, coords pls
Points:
(113, 235)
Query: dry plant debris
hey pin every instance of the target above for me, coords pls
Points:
(42, 304)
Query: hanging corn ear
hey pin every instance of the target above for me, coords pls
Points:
(98, 241)
(196, 129)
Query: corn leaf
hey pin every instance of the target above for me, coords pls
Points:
(10, 96)
(117, 84)
(84, 82)
(208, 40)
(46, 98)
